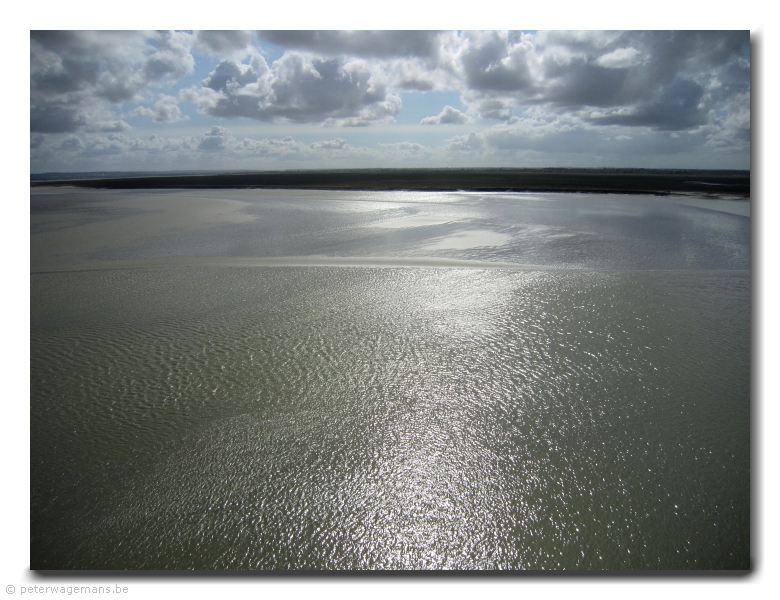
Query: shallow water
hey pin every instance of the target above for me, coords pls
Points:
(580, 413)
(77, 229)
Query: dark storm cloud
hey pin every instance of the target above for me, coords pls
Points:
(381, 44)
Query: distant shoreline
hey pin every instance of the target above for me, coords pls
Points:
(606, 181)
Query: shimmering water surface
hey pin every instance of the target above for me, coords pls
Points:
(350, 380)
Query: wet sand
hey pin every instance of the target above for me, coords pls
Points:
(279, 379)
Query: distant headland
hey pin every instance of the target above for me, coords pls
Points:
(610, 181)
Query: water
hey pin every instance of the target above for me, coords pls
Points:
(308, 380)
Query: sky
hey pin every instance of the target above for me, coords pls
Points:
(268, 100)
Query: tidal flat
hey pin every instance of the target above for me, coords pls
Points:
(294, 380)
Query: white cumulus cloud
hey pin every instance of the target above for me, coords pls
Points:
(621, 58)
(447, 115)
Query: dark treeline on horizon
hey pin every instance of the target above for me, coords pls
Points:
(607, 180)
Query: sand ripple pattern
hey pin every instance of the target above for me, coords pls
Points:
(361, 418)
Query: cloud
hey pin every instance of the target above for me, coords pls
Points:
(166, 110)
(584, 83)
(355, 79)
(228, 44)
(405, 60)
(415, 84)
(71, 144)
(109, 127)
(566, 135)
(570, 137)
(447, 115)
(405, 148)
(497, 61)
(337, 144)
(91, 147)
(495, 109)
(296, 89)
(662, 80)
(216, 148)
(286, 147)
(621, 58)
(67, 61)
(677, 108)
(549, 91)
(359, 43)
(172, 57)
(217, 140)
(221, 141)
(142, 111)
(466, 143)
(56, 119)
(76, 77)
(377, 112)
(156, 145)
(730, 131)
(234, 74)
(37, 140)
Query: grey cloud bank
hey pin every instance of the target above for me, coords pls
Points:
(125, 100)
